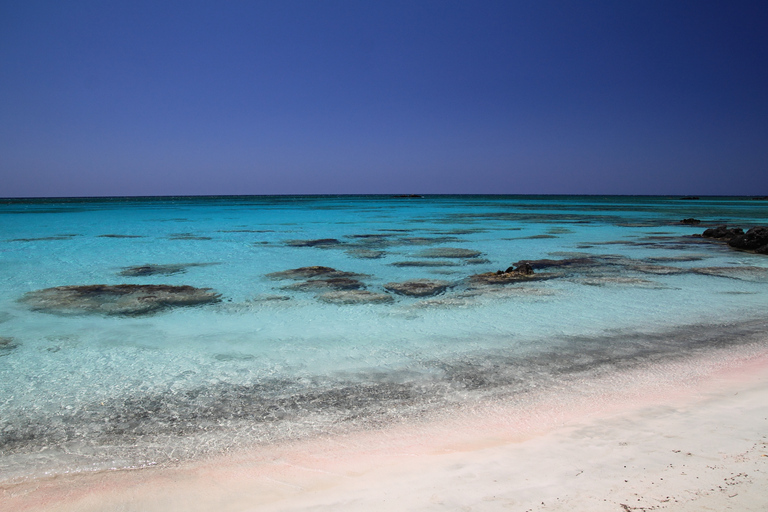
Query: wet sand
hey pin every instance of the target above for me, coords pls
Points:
(687, 435)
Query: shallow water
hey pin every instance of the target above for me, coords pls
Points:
(273, 359)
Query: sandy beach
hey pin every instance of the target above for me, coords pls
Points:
(686, 436)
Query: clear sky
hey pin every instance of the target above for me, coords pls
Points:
(321, 97)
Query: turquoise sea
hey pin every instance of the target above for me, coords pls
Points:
(91, 379)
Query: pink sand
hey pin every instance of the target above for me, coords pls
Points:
(689, 436)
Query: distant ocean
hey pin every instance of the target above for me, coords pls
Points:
(265, 319)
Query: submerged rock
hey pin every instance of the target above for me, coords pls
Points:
(449, 252)
(188, 236)
(152, 270)
(617, 280)
(355, 297)
(159, 270)
(746, 272)
(43, 238)
(418, 287)
(368, 254)
(422, 240)
(585, 261)
(6, 345)
(424, 263)
(476, 261)
(310, 272)
(756, 239)
(690, 221)
(333, 283)
(121, 299)
(320, 242)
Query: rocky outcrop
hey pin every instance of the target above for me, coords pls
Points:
(121, 299)
(756, 239)
(521, 271)
(722, 232)
(418, 287)
(690, 222)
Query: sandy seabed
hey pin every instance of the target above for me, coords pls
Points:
(688, 435)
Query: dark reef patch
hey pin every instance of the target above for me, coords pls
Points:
(310, 272)
(111, 235)
(418, 287)
(246, 231)
(159, 270)
(448, 252)
(355, 297)
(331, 283)
(537, 237)
(322, 243)
(120, 300)
(7, 344)
(476, 261)
(367, 254)
(43, 238)
(188, 236)
(744, 273)
(681, 258)
(423, 240)
(425, 263)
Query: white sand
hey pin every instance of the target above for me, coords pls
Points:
(687, 437)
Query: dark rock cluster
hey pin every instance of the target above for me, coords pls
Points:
(754, 240)
(722, 232)
(521, 271)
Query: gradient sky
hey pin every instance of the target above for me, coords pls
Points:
(322, 97)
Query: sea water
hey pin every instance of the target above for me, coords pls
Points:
(273, 360)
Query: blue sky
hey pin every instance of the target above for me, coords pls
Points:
(322, 97)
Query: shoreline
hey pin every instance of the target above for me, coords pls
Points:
(677, 435)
